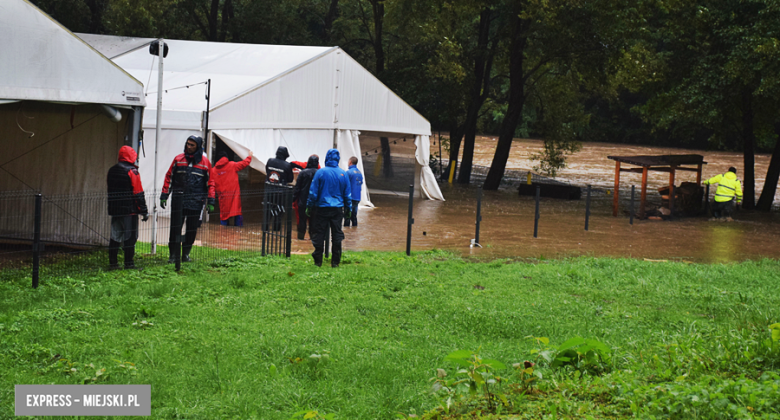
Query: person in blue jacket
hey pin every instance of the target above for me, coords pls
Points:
(356, 186)
(330, 200)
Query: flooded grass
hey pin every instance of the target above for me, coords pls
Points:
(265, 338)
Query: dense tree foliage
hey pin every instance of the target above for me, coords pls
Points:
(701, 73)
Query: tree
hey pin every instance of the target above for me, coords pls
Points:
(721, 64)
(547, 40)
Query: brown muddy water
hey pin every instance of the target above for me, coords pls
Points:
(507, 224)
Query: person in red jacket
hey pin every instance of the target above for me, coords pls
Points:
(190, 173)
(125, 202)
(228, 191)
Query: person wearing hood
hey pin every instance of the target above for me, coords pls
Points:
(125, 202)
(329, 202)
(729, 188)
(278, 170)
(191, 174)
(228, 191)
(301, 193)
(356, 185)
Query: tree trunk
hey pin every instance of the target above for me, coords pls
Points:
(379, 18)
(772, 177)
(227, 16)
(516, 101)
(96, 9)
(749, 140)
(479, 91)
(456, 136)
(213, 21)
(333, 13)
(387, 167)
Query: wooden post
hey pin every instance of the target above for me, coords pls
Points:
(643, 196)
(616, 190)
(698, 175)
(671, 189)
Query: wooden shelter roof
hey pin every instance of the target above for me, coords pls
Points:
(660, 160)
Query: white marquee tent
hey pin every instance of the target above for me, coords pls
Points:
(65, 110)
(308, 99)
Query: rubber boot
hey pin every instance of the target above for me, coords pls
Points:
(185, 253)
(129, 254)
(113, 255)
(335, 258)
(239, 221)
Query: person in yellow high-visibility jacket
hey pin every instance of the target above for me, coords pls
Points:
(729, 188)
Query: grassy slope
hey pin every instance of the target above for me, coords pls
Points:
(385, 320)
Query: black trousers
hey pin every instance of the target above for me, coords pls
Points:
(353, 218)
(322, 219)
(302, 219)
(190, 218)
(722, 208)
(130, 234)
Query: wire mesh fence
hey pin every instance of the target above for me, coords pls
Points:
(74, 232)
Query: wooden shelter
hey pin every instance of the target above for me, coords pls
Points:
(661, 163)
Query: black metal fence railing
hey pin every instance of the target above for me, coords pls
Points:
(72, 233)
(277, 220)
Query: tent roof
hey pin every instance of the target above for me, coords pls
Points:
(42, 61)
(262, 86)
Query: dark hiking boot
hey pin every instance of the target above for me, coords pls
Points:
(334, 265)
(112, 267)
(186, 258)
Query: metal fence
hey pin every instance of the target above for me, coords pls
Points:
(48, 236)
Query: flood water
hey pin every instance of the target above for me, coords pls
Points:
(507, 224)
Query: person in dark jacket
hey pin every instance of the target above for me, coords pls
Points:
(278, 170)
(125, 202)
(301, 192)
(190, 173)
(330, 200)
(356, 186)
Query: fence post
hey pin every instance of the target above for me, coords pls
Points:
(631, 211)
(37, 246)
(479, 214)
(177, 204)
(587, 209)
(289, 216)
(536, 218)
(265, 220)
(409, 222)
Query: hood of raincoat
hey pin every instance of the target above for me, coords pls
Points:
(127, 154)
(313, 162)
(730, 175)
(281, 153)
(332, 158)
(198, 155)
(222, 162)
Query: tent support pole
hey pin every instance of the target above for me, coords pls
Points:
(135, 138)
(157, 140)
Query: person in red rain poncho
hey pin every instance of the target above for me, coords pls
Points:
(228, 192)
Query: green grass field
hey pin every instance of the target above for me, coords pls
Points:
(269, 338)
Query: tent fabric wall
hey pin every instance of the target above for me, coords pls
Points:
(64, 162)
(63, 156)
(263, 143)
(427, 179)
(43, 61)
(348, 142)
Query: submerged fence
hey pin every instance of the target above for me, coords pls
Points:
(46, 236)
